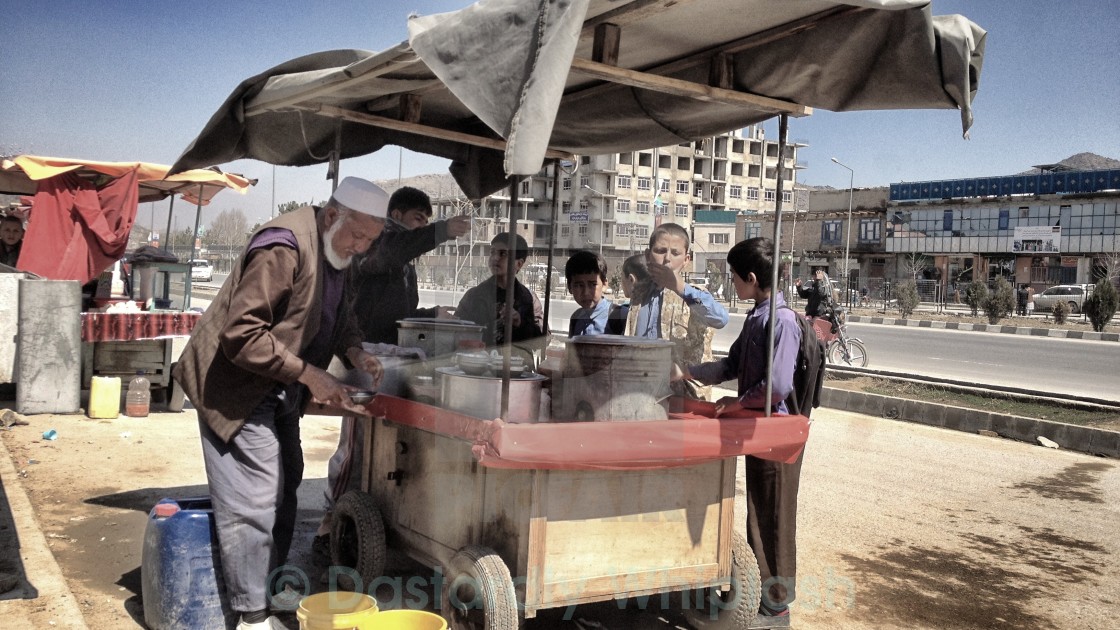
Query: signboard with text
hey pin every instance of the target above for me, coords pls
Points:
(1042, 239)
(578, 217)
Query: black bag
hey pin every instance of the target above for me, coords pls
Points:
(808, 373)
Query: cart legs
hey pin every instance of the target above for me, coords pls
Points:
(478, 593)
(710, 608)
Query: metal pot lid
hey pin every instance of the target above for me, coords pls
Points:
(620, 340)
(435, 322)
(452, 371)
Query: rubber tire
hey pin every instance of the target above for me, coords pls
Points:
(1073, 310)
(745, 593)
(358, 537)
(484, 595)
(858, 351)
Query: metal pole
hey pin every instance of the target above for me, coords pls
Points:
(848, 230)
(194, 239)
(272, 214)
(167, 236)
(783, 132)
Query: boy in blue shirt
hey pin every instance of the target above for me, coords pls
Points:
(586, 273)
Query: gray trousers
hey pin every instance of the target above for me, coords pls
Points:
(253, 481)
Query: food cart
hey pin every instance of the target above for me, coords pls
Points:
(537, 515)
(81, 214)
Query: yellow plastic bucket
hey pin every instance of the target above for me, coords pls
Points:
(337, 610)
(408, 620)
(105, 397)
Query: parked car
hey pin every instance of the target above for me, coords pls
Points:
(201, 270)
(1072, 294)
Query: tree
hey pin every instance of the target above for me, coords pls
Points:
(907, 295)
(289, 206)
(1102, 304)
(228, 233)
(915, 264)
(975, 295)
(1000, 302)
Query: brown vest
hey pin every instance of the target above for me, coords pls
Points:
(223, 393)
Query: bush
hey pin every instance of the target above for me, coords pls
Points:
(1000, 302)
(1060, 311)
(975, 295)
(907, 295)
(1101, 305)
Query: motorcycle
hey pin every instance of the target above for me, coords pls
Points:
(840, 348)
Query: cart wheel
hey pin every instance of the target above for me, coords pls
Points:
(358, 536)
(478, 593)
(710, 608)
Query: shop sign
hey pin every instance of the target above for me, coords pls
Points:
(1043, 239)
(1069, 261)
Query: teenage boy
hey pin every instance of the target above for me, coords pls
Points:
(586, 273)
(488, 303)
(384, 286)
(771, 486)
(674, 310)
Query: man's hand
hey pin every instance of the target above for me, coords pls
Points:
(445, 312)
(679, 373)
(507, 309)
(797, 283)
(727, 404)
(367, 363)
(459, 226)
(327, 390)
(665, 277)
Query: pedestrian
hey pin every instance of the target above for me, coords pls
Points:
(488, 303)
(682, 313)
(1021, 300)
(771, 486)
(255, 359)
(586, 275)
(384, 285)
(11, 239)
(1030, 300)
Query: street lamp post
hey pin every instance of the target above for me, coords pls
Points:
(848, 230)
(602, 216)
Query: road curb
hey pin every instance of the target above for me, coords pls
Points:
(1068, 436)
(1060, 333)
(47, 584)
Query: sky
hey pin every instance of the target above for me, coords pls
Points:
(137, 81)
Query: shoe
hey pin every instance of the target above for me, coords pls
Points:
(762, 621)
(321, 549)
(272, 623)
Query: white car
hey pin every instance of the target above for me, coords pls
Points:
(201, 270)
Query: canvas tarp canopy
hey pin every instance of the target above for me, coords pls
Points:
(82, 211)
(502, 84)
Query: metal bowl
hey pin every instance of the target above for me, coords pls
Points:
(361, 397)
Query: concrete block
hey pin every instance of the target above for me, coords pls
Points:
(50, 348)
(9, 326)
(938, 324)
(1105, 443)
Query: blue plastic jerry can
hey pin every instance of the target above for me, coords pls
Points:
(181, 569)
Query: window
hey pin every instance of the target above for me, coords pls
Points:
(624, 205)
(1004, 217)
(698, 190)
(769, 195)
(625, 158)
(566, 184)
(830, 232)
(643, 183)
(735, 192)
(752, 193)
(947, 221)
(623, 181)
(525, 188)
(584, 180)
(682, 186)
(718, 239)
(621, 229)
(664, 185)
(566, 207)
(583, 230)
(565, 230)
(682, 209)
(787, 196)
(584, 205)
(643, 207)
(752, 230)
(869, 230)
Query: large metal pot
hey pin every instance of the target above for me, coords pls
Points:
(481, 396)
(614, 377)
(437, 337)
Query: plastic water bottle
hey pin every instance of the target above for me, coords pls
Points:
(139, 396)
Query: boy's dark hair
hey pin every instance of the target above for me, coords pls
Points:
(520, 247)
(583, 262)
(11, 218)
(671, 229)
(754, 255)
(636, 266)
(409, 198)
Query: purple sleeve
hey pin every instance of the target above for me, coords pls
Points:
(787, 341)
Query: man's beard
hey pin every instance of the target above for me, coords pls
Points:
(334, 259)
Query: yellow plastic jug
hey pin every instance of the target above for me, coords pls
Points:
(404, 619)
(337, 610)
(105, 397)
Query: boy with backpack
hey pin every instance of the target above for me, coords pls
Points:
(771, 486)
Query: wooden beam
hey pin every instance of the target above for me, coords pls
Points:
(331, 111)
(631, 12)
(678, 87)
(722, 71)
(410, 107)
(605, 47)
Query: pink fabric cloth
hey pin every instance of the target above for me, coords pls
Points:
(76, 231)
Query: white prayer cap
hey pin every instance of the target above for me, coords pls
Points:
(362, 196)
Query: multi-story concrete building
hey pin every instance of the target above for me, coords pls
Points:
(611, 203)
